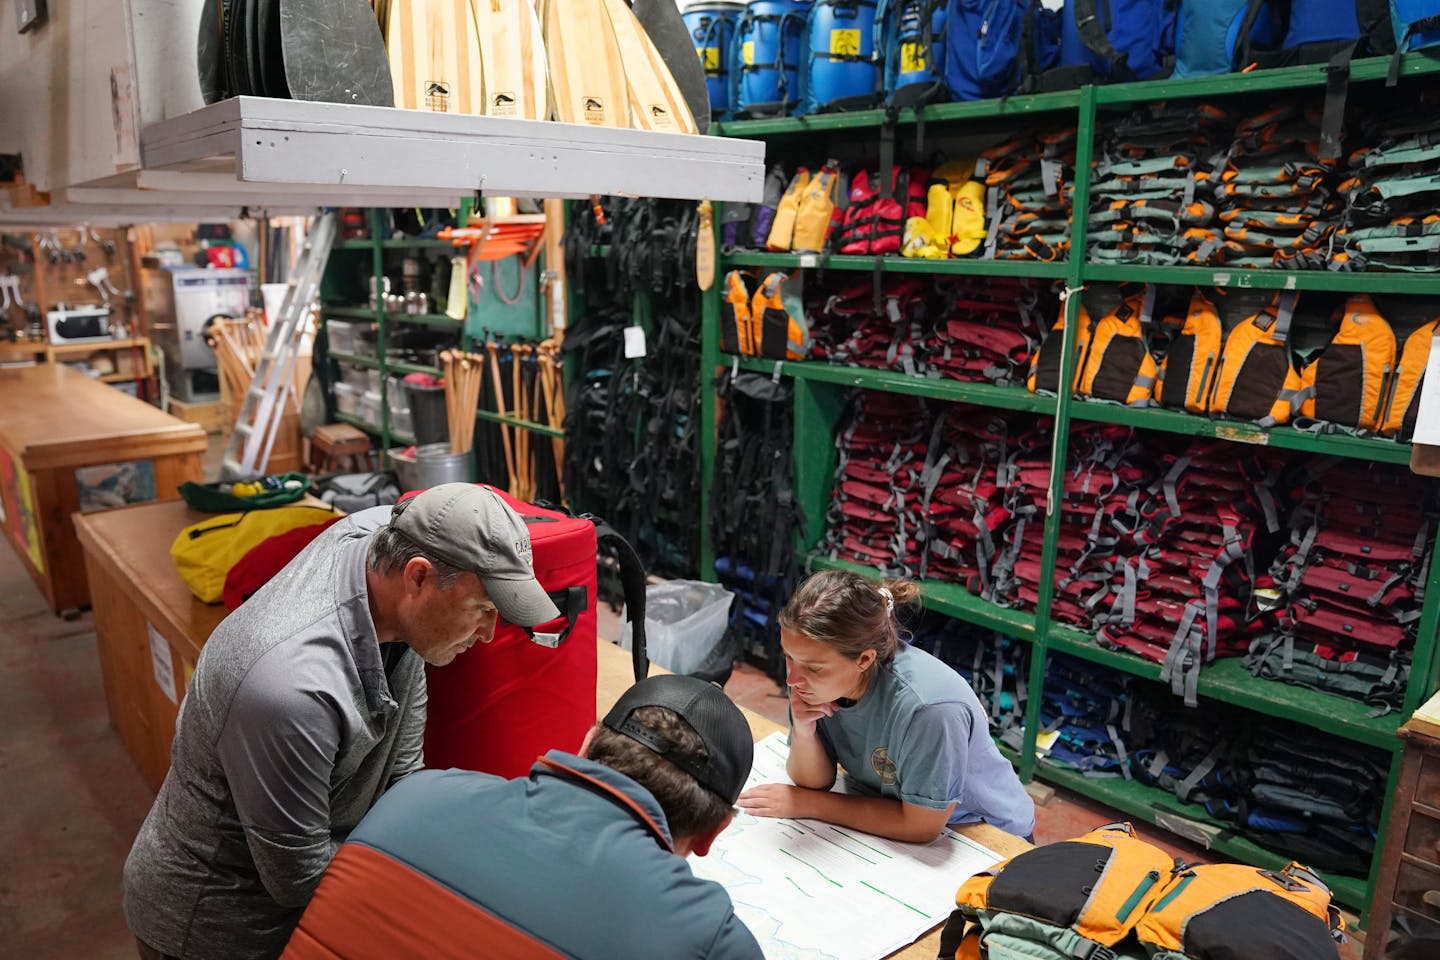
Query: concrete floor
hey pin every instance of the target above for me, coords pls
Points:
(72, 799)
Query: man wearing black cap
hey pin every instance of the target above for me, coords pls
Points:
(582, 859)
(307, 703)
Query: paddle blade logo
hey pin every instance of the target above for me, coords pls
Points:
(504, 104)
(437, 96)
(592, 109)
(660, 117)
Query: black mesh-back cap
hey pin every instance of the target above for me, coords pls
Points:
(709, 712)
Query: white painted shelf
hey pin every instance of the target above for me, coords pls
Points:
(287, 142)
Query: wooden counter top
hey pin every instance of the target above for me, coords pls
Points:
(53, 416)
(133, 545)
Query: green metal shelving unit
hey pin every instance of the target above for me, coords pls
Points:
(377, 248)
(819, 403)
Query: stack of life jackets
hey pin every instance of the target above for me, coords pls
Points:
(1181, 597)
(874, 218)
(979, 331)
(1106, 470)
(877, 512)
(987, 329)
(1085, 714)
(1199, 755)
(1276, 198)
(1113, 359)
(1310, 794)
(996, 667)
(764, 316)
(963, 491)
(954, 221)
(850, 325)
(1029, 183)
(1110, 894)
(755, 520)
(1148, 196)
(1391, 190)
(1348, 584)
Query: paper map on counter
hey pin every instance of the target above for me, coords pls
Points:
(815, 891)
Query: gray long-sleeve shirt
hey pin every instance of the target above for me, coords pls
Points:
(289, 732)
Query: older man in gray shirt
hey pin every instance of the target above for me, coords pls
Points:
(307, 703)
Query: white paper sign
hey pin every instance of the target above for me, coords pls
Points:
(1427, 417)
(634, 342)
(162, 664)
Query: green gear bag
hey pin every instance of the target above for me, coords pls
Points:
(209, 498)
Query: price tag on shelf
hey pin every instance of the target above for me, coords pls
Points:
(634, 342)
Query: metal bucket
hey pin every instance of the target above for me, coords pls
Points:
(435, 464)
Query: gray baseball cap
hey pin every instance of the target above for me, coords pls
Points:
(472, 528)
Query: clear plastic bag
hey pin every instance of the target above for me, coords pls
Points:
(685, 627)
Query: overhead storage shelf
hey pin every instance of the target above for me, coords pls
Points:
(1261, 81)
(1371, 282)
(289, 142)
(1227, 681)
(1282, 437)
(1017, 106)
(965, 267)
(954, 391)
(1189, 820)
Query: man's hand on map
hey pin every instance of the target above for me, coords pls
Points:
(777, 800)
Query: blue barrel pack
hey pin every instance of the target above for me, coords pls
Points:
(766, 58)
(712, 29)
(844, 72)
(912, 51)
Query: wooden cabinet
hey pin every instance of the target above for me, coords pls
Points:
(69, 444)
(1405, 914)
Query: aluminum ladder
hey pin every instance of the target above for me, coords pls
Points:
(248, 449)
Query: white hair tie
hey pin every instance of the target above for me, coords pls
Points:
(889, 600)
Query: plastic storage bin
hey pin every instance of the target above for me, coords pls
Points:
(370, 407)
(347, 399)
(344, 334)
(685, 623)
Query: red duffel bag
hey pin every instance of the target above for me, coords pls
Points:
(498, 706)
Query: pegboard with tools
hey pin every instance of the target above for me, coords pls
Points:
(49, 270)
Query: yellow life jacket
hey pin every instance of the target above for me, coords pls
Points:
(1077, 898)
(1044, 374)
(954, 221)
(777, 317)
(1257, 379)
(204, 552)
(1111, 894)
(1404, 402)
(1235, 910)
(1190, 365)
(1349, 382)
(735, 325)
(817, 206)
(782, 228)
(1117, 364)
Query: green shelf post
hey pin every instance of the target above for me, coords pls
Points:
(382, 338)
(817, 412)
(1060, 440)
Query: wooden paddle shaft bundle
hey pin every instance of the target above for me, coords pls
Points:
(463, 375)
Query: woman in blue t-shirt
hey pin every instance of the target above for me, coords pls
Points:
(909, 733)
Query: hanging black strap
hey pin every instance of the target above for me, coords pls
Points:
(632, 580)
